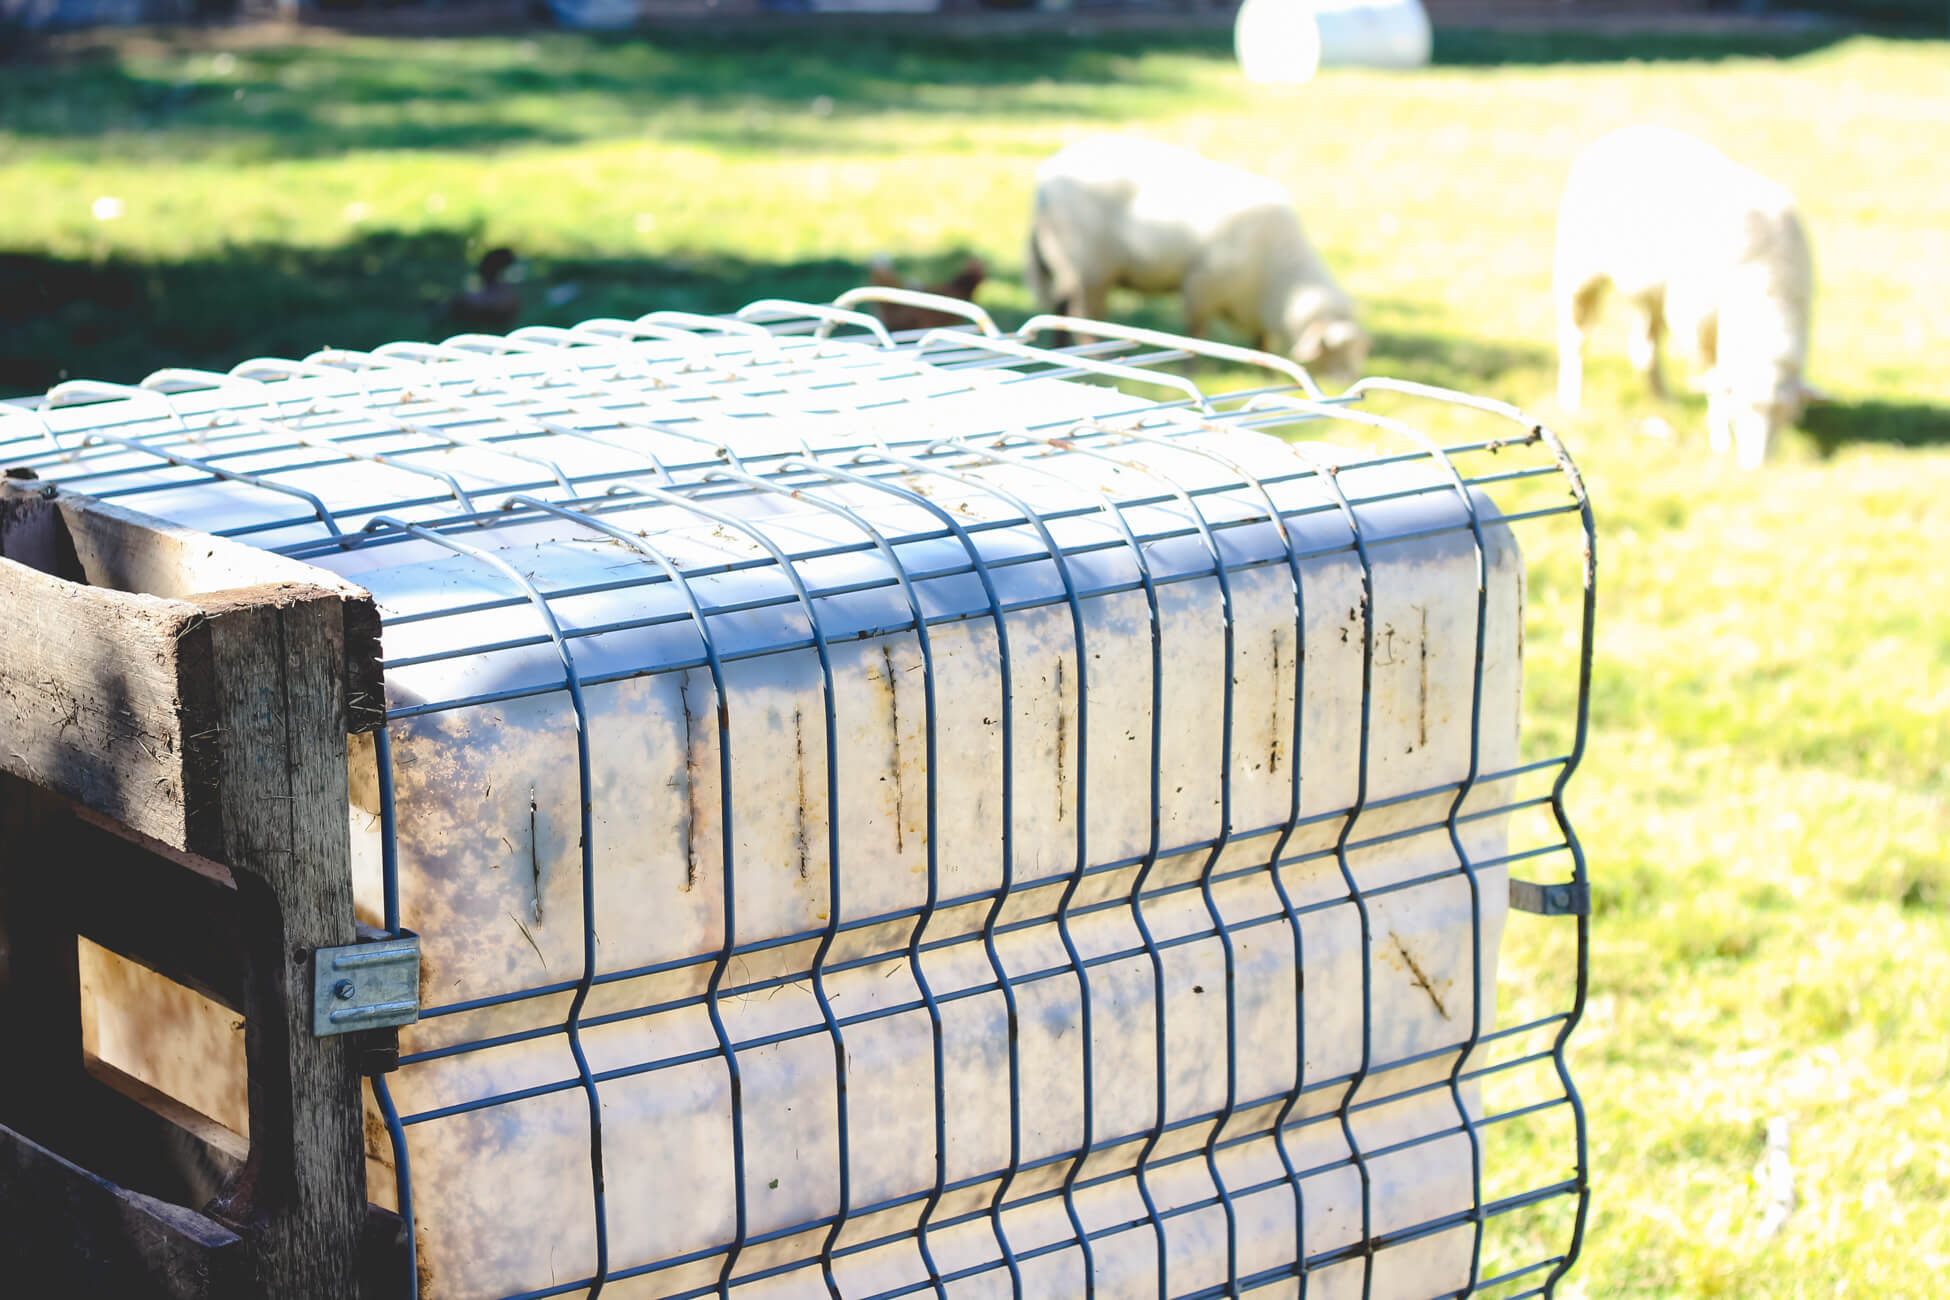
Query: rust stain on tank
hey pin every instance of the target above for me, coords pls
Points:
(1421, 980)
(1278, 746)
(894, 725)
(799, 764)
(379, 1143)
(1062, 741)
(690, 780)
(534, 855)
(1422, 699)
(362, 772)
(422, 1266)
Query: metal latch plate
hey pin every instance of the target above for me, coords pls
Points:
(1571, 899)
(366, 986)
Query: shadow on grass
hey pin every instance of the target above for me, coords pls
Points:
(185, 92)
(333, 93)
(1483, 47)
(119, 320)
(1834, 425)
(1451, 361)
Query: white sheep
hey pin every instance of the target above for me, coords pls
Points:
(1117, 211)
(1701, 246)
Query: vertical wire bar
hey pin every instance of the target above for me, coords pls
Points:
(420, 429)
(916, 298)
(318, 507)
(382, 744)
(1219, 843)
(1328, 478)
(791, 574)
(382, 749)
(1006, 881)
(574, 1023)
(283, 427)
(826, 316)
(1579, 873)
(1211, 904)
(694, 321)
(402, 1179)
(1024, 352)
(1152, 951)
(1115, 513)
(56, 399)
(1160, 339)
(1292, 546)
(933, 857)
(1464, 789)
(574, 402)
(1062, 565)
(480, 374)
(735, 1083)
(980, 565)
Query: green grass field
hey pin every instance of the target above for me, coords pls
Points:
(1764, 802)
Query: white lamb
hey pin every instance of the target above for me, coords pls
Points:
(1114, 211)
(1694, 243)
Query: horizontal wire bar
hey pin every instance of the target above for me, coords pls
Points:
(907, 625)
(704, 492)
(659, 578)
(1314, 1263)
(1029, 886)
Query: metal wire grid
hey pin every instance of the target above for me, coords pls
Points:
(669, 389)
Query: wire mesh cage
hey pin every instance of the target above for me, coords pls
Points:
(934, 813)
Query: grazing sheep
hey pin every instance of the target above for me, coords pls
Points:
(1117, 211)
(1698, 245)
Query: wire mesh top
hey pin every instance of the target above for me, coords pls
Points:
(749, 507)
(664, 425)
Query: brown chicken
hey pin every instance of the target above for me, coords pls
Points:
(899, 316)
(496, 304)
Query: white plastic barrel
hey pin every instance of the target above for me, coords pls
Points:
(1290, 40)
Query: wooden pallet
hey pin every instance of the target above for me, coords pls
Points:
(174, 709)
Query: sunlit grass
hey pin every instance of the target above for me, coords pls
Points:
(1764, 800)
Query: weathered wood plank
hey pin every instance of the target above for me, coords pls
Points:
(278, 655)
(210, 714)
(49, 1090)
(130, 551)
(153, 1143)
(108, 546)
(106, 697)
(73, 1234)
(106, 693)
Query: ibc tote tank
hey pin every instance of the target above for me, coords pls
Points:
(835, 784)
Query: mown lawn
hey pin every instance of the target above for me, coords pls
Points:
(1764, 801)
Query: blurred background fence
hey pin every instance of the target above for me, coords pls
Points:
(61, 14)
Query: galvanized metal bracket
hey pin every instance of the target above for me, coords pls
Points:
(1550, 900)
(373, 985)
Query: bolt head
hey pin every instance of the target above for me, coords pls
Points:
(343, 990)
